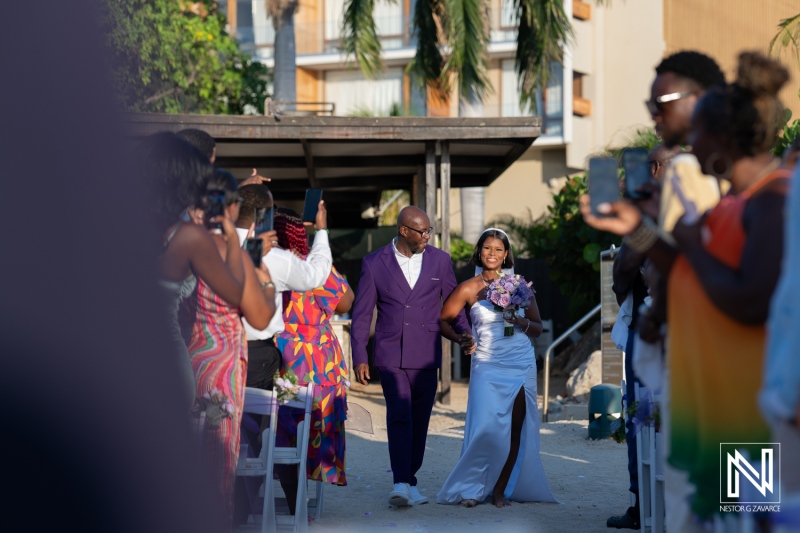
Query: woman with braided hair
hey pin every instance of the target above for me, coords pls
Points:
(310, 350)
(722, 272)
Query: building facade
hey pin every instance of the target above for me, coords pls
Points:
(593, 100)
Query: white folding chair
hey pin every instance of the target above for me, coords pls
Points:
(265, 403)
(295, 455)
(262, 402)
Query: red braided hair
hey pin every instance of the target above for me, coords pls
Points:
(291, 231)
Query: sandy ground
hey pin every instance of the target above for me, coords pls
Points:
(589, 477)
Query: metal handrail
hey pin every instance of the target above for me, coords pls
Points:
(549, 352)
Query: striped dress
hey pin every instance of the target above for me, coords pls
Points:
(312, 351)
(219, 359)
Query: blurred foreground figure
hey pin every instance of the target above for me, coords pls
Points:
(96, 435)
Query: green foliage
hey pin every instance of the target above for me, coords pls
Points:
(639, 138)
(360, 36)
(460, 250)
(790, 133)
(787, 38)
(570, 247)
(467, 35)
(175, 57)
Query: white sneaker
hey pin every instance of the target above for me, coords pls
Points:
(416, 497)
(400, 496)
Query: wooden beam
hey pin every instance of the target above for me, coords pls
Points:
(430, 181)
(446, 372)
(312, 178)
(389, 161)
(418, 189)
(223, 127)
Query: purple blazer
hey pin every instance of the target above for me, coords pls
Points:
(407, 332)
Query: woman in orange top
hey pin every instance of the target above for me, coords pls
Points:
(721, 275)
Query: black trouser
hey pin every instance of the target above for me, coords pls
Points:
(263, 360)
(631, 379)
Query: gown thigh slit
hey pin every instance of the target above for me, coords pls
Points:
(502, 368)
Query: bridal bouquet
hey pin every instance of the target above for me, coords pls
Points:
(509, 293)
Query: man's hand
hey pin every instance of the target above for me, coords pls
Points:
(254, 179)
(362, 373)
(467, 343)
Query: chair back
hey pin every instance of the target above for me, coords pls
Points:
(260, 402)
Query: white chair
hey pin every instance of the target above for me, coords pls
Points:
(261, 402)
(264, 403)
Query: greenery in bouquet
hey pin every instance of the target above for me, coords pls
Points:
(618, 430)
(287, 386)
(214, 406)
(645, 412)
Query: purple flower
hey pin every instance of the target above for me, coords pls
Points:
(516, 300)
(508, 286)
(504, 300)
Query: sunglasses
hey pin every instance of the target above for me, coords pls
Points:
(422, 233)
(656, 105)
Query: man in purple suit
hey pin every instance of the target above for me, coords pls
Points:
(408, 280)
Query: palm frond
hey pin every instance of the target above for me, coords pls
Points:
(544, 28)
(467, 30)
(360, 36)
(426, 66)
(787, 38)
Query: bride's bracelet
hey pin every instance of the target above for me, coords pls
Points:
(526, 327)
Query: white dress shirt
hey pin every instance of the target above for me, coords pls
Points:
(290, 273)
(411, 266)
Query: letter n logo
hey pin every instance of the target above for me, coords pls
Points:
(739, 474)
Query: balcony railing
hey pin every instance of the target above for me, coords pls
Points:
(323, 37)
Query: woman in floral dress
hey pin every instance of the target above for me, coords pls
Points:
(311, 350)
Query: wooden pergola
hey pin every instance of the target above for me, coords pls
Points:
(354, 159)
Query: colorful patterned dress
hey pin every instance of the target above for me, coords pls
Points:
(311, 350)
(219, 360)
(716, 362)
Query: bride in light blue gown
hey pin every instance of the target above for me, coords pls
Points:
(500, 454)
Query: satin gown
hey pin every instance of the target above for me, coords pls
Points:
(500, 367)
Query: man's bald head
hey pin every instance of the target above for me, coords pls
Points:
(410, 215)
(413, 230)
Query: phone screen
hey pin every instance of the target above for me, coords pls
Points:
(254, 248)
(213, 206)
(603, 182)
(264, 219)
(637, 173)
(313, 198)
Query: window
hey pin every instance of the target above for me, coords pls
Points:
(353, 93)
(550, 105)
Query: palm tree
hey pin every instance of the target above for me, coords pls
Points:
(787, 38)
(285, 72)
(461, 29)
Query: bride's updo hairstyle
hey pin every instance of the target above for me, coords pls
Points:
(747, 112)
(497, 234)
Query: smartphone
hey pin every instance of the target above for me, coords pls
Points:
(213, 206)
(603, 182)
(255, 248)
(637, 173)
(311, 205)
(264, 218)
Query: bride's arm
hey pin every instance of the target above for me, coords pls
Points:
(531, 324)
(454, 304)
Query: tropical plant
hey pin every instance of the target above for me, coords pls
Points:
(460, 250)
(789, 134)
(175, 57)
(569, 246)
(787, 38)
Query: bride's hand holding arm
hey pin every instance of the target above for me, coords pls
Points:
(450, 310)
(531, 323)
